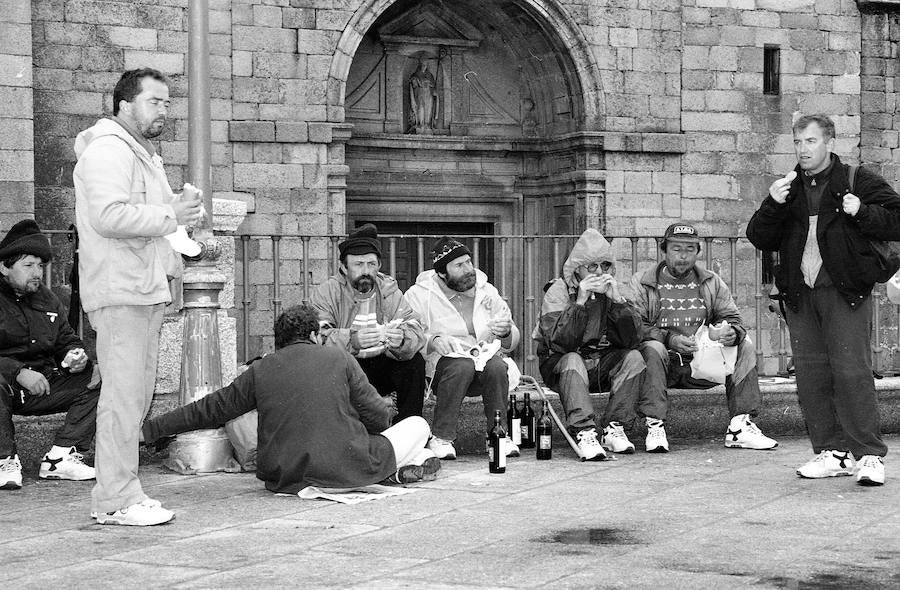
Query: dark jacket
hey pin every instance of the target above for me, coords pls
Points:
(34, 333)
(644, 291)
(844, 240)
(319, 419)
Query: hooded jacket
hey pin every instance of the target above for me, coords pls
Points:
(122, 211)
(334, 300)
(644, 291)
(564, 326)
(844, 240)
(440, 318)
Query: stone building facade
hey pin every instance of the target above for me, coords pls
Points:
(498, 116)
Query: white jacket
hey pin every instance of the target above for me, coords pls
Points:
(122, 211)
(440, 317)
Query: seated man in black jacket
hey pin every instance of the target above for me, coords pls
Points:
(587, 337)
(43, 366)
(321, 423)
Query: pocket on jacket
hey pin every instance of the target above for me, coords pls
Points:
(135, 267)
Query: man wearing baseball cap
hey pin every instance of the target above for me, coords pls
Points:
(43, 366)
(675, 298)
(362, 311)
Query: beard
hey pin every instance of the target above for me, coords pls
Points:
(154, 130)
(363, 283)
(462, 283)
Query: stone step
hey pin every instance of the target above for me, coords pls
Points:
(693, 414)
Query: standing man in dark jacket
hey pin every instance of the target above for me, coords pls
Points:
(43, 366)
(363, 312)
(823, 230)
(321, 423)
(587, 336)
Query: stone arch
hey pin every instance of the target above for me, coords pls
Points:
(559, 24)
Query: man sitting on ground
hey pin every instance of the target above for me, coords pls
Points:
(675, 298)
(362, 311)
(43, 366)
(587, 337)
(321, 423)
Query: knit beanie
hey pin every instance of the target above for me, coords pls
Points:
(445, 251)
(25, 237)
(363, 240)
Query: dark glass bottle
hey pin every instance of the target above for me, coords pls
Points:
(496, 446)
(514, 421)
(544, 435)
(529, 423)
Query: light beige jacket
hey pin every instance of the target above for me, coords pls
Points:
(122, 211)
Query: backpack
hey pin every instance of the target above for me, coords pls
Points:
(887, 252)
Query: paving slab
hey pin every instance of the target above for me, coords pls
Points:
(701, 516)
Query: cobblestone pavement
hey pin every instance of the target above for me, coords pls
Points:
(701, 516)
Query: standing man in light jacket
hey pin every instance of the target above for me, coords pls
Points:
(361, 310)
(460, 308)
(123, 208)
(823, 227)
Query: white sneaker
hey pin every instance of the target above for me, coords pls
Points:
(442, 449)
(744, 434)
(10, 472)
(827, 464)
(510, 448)
(591, 449)
(615, 440)
(656, 441)
(69, 467)
(870, 471)
(147, 513)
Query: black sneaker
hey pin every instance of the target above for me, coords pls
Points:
(430, 467)
(404, 475)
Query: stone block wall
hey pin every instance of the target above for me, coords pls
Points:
(16, 114)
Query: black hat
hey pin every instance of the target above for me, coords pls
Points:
(362, 240)
(25, 237)
(681, 232)
(446, 250)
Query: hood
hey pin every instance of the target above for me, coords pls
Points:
(428, 279)
(104, 128)
(590, 247)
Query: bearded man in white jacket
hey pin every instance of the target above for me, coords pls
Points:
(460, 309)
(124, 207)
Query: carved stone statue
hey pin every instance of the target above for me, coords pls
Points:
(423, 100)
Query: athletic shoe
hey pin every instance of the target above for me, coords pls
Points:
(870, 471)
(656, 441)
(827, 464)
(10, 472)
(512, 450)
(615, 440)
(430, 467)
(744, 434)
(590, 447)
(69, 466)
(442, 449)
(404, 475)
(147, 513)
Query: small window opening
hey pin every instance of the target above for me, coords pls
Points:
(771, 69)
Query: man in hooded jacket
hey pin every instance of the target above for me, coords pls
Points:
(587, 337)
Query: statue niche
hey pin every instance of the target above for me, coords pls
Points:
(423, 101)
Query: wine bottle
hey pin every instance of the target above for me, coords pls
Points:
(544, 435)
(514, 421)
(529, 421)
(496, 446)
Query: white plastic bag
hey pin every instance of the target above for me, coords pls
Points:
(513, 372)
(893, 288)
(713, 361)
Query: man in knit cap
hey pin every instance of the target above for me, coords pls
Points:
(362, 311)
(460, 309)
(587, 338)
(43, 366)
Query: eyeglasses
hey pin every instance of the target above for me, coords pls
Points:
(604, 266)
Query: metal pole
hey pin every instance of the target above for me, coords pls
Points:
(199, 147)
